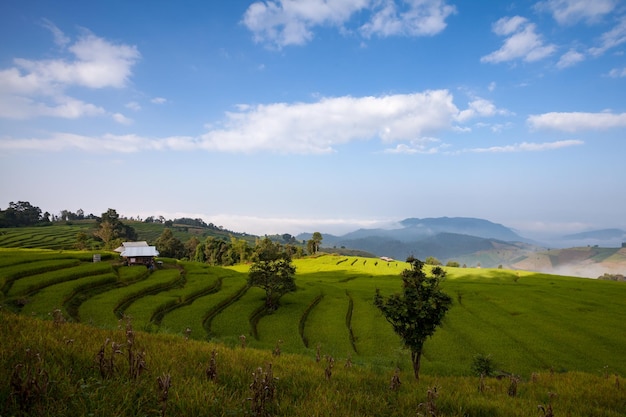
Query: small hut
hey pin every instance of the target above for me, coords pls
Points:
(138, 253)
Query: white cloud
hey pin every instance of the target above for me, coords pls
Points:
(492, 86)
(508, 25)
(59, 37)
(528, 147)
(567, 12)
(97, 64)
(34, 88)
(611, 39)
(421, 146)
(133, 105)
(18, 107)
(480, 108)
(419, 18)
(617, 72)
(281, 23)
(522, 42)
(321, 126)
(302, 128)
(577, 121)
(570, 58)
(159, 100)
(121, 119)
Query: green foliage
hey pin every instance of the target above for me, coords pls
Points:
(22, 214)
(524, 324)
(416, 314)
(612, 277)
(272, 271)
(483, 365)
(169, 246)
(453, 264)
(111, 231)
(431, 260)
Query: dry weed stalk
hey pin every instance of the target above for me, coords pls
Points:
(187, 333)
(512, 391)
(617, 381)
(106, 366)
(242, 339)
(318, 353)
(395, 380)
(277, 350)
(547, 408)
(481, 383)
(211, 370)
(165, 382)
(136, 360)
(57, 317)
(330, 361)
(29, 382)
(348, 363)
(263, 389)
(429, 406)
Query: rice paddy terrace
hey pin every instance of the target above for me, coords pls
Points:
(526, 322)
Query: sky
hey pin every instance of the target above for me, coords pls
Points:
(290, 116)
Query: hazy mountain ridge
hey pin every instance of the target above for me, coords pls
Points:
(473, 242)
(603, 234)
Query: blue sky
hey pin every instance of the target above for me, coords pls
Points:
(282, 116)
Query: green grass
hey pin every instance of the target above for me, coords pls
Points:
(68, 381)
(33, 283)
(100, 309)
(527, 322)
(192, 315)
(53, 297)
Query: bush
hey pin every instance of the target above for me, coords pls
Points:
(431, 260)
(483, 365)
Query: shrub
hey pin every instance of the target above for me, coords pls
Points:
(483, 365)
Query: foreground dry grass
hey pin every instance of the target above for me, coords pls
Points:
(52, 368)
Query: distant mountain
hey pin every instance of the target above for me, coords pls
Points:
(444, 238)
(463, 226)
(604, 234)
(417, 229)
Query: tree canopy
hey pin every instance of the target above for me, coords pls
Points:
(112, 231)
(418, 311)
(313, 244)
(169, 246)
(272, 271)
(22, 213)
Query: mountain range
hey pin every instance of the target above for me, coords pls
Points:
(469, 241)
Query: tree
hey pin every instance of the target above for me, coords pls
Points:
(82, 241)
(111, 229)
(169, 246)
(272, 271)
(240, 249)
(21, 213)
(431, 260)
(190, 247)
(316, 240)
(416, 314)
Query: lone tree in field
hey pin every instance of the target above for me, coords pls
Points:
(416, 313)
(112, 231)
(313, 244)
(272, 271)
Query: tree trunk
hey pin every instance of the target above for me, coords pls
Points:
(416, 357)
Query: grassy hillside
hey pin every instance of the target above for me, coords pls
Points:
(523, 320)
(559, 341)
(50, 368)
(63, 236)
